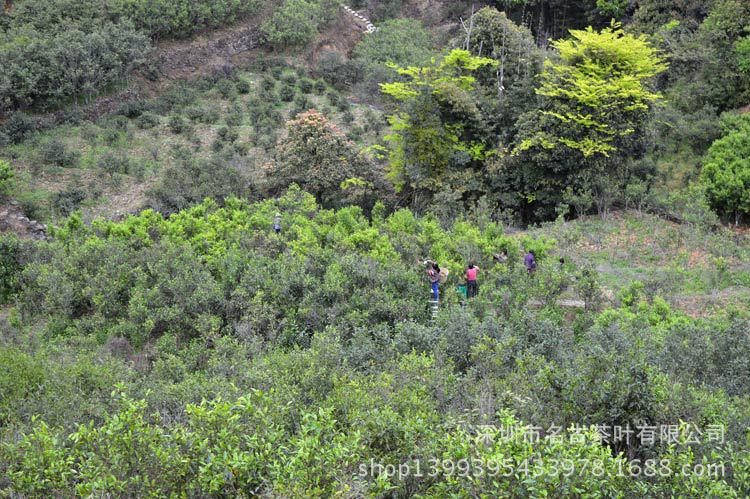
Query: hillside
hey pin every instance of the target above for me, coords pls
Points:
(219, 220)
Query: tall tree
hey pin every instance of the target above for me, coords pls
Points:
(551, 19)
(438, 139)
(507, 87)
(595, 101)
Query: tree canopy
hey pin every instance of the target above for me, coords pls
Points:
(599, 90)
(726, 169)
(435, 122)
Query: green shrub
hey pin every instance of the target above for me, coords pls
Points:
(177, 124)
(289, 78)
(22, 376)
(191, 180)
(55, 152)
(18, 127)
(343, 105)
(726, 170)
(287, 93)
(11, 265)
(401, 41)
(175, 98)
(268, 83)
(296, 22)
(34, 204)
(6, 178)
(336, 70)
(147, 120)
(68, 200)
(319, 87)
(227, 134)
(306, 85)
(235, 116)
(210, 115)
(226, 88)
(132, 108)
(243, 87)
(301, 103)
(112, 163)
(194, 113)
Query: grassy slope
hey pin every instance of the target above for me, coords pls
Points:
(151, 149)
(697, 270)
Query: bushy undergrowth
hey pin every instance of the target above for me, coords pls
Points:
(206, 270)
(204, 354)
(176, 149)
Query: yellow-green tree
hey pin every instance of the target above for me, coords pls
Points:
(599, 89)
(595, 100)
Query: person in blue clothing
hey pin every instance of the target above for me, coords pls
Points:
(277, 223)
(433, 273)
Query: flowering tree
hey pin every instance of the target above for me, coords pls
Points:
(317, 155)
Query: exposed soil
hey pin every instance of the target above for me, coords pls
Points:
(12, 219)
(341, 36)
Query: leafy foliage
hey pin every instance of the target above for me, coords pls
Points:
(47, 66)
(590, 127)
(434, 121)
(56, 49)
(405, 42)
(203, 271)
(283, 346)
(6, 178)
(296, 22)
(192, 180)
(507, 87)
(316, 155)
(600, 88)
(316, 347)
(726, 170)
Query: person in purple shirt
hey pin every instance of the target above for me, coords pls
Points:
(530, 261)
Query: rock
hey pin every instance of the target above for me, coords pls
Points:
(3, 213)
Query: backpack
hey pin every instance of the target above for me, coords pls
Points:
(443, 275)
